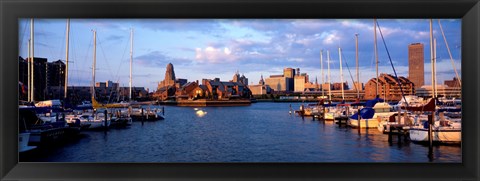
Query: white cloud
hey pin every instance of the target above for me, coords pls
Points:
(214, 55)
(331, 37)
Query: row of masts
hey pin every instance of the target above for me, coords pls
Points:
(341, 71)
(30, 60)
(94, 63)
(433, 51)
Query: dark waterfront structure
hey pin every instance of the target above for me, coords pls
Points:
(56, 73)
(105, 94)
(416, 72)
(40, 77)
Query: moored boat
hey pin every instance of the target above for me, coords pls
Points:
(443, 131)
(23, 139)
(381, 112)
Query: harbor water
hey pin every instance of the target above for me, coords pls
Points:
(262, 132)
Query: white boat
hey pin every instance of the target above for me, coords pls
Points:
(95, 122)
(85, 104)
(383, 111)
(408, 119)
(82, 121)
(23, 139)
(146, 113)
(331, 113)
(120, 118)
(443, 131)
(98, 121)
(49, 103)
(409, 100)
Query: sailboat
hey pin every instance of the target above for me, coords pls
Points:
(443, 129)
(95, 103)
(333, 113)
(99, 119)
(376, 110)
(328, 116)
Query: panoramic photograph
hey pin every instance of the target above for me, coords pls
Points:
(239, 90)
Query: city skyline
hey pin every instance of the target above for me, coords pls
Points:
(218, 48)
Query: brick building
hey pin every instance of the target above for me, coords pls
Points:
(452, 83)
(388, 87)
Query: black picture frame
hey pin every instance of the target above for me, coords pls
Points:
(11, 11)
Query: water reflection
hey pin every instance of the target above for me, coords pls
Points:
(262, 132)
(200, 113)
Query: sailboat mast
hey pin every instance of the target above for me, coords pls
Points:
(66, 59)
(435, 65)
(341, 72)
(94, 62)
(131, 60)
(356, 64)
(323, 78)
(375, 49)
(32, 54)
(328, 72)
(450, 54)
(432, 59)
(28, 73)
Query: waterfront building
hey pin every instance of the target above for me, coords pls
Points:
(180, 82)
(442, 91)
(164, 93)
(40, 77)
(312, 86)
(187, 91)
(290, 72)
(169, 79)
(261, 81)
(299, 82)
(261, 88)
(100, 84)
(388, 87)
(416, 72)
(103, 93)
(278, 82)
(358, 85)
(338, 86)
(217, 89)
(22, 79)
(452, 83)
(56, 73)
(238, 78)
(325, 86)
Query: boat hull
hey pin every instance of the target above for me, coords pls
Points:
(23, 139)
(364, 123)
(439, 135)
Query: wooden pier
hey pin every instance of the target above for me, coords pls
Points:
(399, 130)
(343, 120)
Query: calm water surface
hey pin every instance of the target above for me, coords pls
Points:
(262, 132)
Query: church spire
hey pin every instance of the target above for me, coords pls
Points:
(261, 82)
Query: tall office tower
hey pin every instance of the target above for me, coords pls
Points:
(416, 72)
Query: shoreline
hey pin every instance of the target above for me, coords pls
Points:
(206, 103)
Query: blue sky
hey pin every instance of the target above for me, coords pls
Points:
(209, 48)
